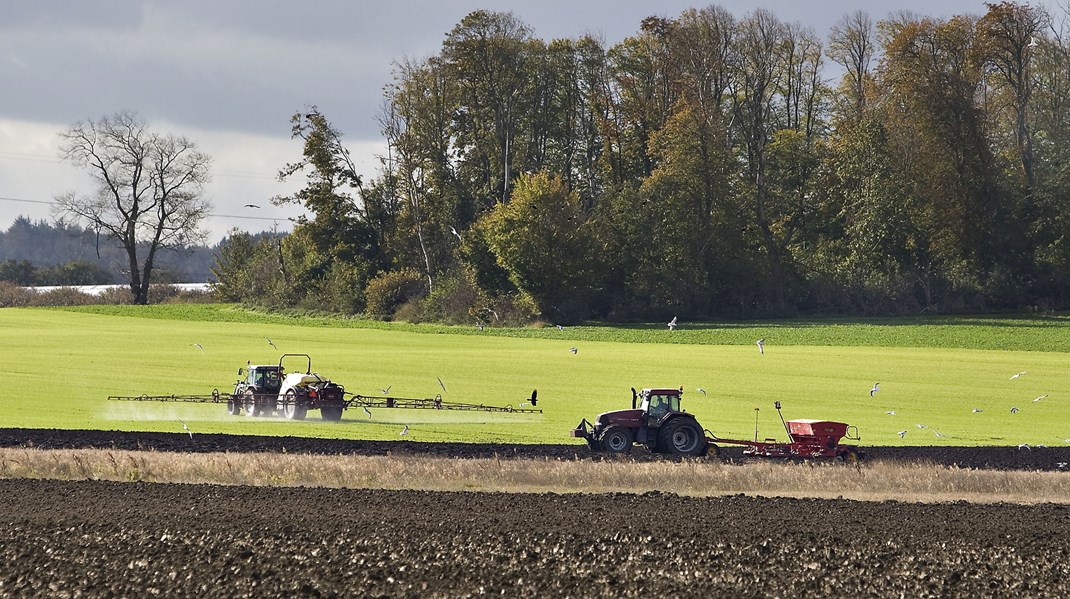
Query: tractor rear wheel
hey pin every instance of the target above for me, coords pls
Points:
(681, 436)
(293, 409)
(616, 439)
(331, 413)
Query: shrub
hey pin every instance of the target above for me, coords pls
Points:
(390, 290)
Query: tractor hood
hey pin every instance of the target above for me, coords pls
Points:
(625, 418)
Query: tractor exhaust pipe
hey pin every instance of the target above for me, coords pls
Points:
(782, 421)
(634, 397)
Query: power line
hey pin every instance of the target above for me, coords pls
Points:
(277, 218)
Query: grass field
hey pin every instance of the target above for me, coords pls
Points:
(59, 365)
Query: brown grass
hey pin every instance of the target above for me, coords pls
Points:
(876, 481)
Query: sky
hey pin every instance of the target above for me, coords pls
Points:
(228, 74)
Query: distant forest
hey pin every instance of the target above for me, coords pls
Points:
(43, 253)
(703, 167)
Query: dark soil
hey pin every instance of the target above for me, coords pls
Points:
(97, 539)
(1002, 458)
(103, 539)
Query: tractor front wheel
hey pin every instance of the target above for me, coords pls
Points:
(250, 403)
(234, 406)
(616, 439)
(682, 436)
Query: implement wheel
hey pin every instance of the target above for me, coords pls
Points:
(331, 413)
(682, 436)
(293, 408)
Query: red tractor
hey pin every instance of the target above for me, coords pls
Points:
(657, 423)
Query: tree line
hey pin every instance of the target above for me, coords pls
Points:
(702, 167)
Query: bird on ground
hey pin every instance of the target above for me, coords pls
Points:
(761, 345)
(199, 346)
(672, 324)
(405, 430)
(976, 410)
(1014, 410)
(875, 389)
(1039, 398)
(1014, 376)
(701, 390)
(367, 411)
(455, 233)
(1024, 446)
(902, 434)
(271, 343)
(441, 384)
(890, 412)
(573, 349)
(187, 429)
(251, 206)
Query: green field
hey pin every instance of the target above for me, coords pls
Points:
(59, 366)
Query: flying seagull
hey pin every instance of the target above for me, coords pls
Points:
(761, 345)
(367, 411)
(405, 430)
(1014, 376)
(702, 391)
(1039, 398)
(199, 346)
(455, 233)
(573, 349)
(271, 343)
(560, 328)
(902, 434)
(1024, 446)
(387, 390)
(187, 429)
(440, 384)
(890, 412)
(977, 410)
(1033, 42)
(1061, 465)
(921, 426)
(251, 206)
(1014, 410)
(938, 434)
(875, 389)
(672, 324)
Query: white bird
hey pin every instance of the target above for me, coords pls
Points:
(199, 346)
(455, 233)
(387, 390)
(1039, 398)
(938, 434)
(441, 384)
(761, 345)
(1039, 446)
(405, 430)
(902, 434)
(890, 412)
(701, 390)
(573, 349)
(875, 389)
(921, 426)
(1061, 465)
(976, 410)
(672, 324)
(187, 429)
(271, 343)
(1024, 446)
(1033, 42)
(367, 411)
(1014, 376)
(560, 328)
(480, 325)
(1014, 410)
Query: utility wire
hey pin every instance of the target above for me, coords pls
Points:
(278, 218)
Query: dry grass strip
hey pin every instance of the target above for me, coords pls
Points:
(874, 481)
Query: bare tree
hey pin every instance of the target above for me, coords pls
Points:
(851, 44)
(148, 189)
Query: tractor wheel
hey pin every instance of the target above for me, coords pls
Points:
(250, 403)
(292, 409)
(331, 413)
(616, 439)
(234, 406)
(681, 436)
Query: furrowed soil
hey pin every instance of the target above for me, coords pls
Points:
(103, 539)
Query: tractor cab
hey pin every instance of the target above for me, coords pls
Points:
(656, 403)
(265, 379)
